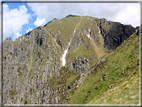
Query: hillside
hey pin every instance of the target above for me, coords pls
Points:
(121, 70)
(65, 59)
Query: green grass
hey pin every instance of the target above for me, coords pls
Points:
(12, 92)
(28, 102)
(86, 22)
(86, 50)
(17, 42)
(66, 78)
(66, 27)
(125, 93)
(27, 42)
(65, 75)
(124, 58)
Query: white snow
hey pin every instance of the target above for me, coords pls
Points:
(74, 30)
(88, 35)
(89, 30)
(99, 29)
(64, 57)
(65, 53)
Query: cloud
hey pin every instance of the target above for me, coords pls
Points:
(13, 20)
(16, 35)
(131, 15)
(126, 13)
(45, 11)
(39, 22)
(29, 29)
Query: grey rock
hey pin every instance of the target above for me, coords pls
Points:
(80, 64)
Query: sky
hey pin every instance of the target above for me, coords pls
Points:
(19, 18)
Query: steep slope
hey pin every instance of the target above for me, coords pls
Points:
(114, 79)
(93, 39)
(33, 68)
(28, 63)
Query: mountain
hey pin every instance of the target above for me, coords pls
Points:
(71, 60)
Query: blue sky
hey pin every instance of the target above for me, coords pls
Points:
(19, 18)
(31, 20)
(14, 8)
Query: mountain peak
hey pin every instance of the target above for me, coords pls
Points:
(52, 63)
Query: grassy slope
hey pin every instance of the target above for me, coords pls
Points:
(87, 49)
(121, 69)
(66, 78)
(65, 26)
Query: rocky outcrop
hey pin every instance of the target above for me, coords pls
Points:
(114, 33)
(28, 65)
(80, 65)
(77, 40)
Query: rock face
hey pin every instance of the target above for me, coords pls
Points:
(28, 64)
(80, 65)
(32, 67)
(114, 33)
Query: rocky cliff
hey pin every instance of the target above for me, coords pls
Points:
(32, 64)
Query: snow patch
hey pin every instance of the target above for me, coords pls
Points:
(74, 30)
(88, 35)
(99, 29)
(64, 57)
(65, 53)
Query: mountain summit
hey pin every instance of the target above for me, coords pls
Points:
(52, 64)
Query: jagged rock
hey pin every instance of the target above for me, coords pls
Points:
(104, 77)
(101, 60)
(69, 87)
(80, 65)
(114, 33)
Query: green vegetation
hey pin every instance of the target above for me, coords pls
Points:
(125, 93)
(31, 72)
(28, 102)
(27, 42)
(86, 22)
(39, 54)
(122, 73)
(64, 27)
(66, 78)
(17, 42)
(19, 73)
(86, 50)
(12, 92)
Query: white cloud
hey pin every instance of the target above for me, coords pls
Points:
(39, 22)
(45, 11)
(16, 35)
(131, 15)
(29, 29)
(13, 20)
(126, 13)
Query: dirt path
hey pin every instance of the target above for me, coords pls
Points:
(99, 51)
(76, 27)
(56, 42)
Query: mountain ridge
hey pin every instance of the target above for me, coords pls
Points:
(33, 63)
